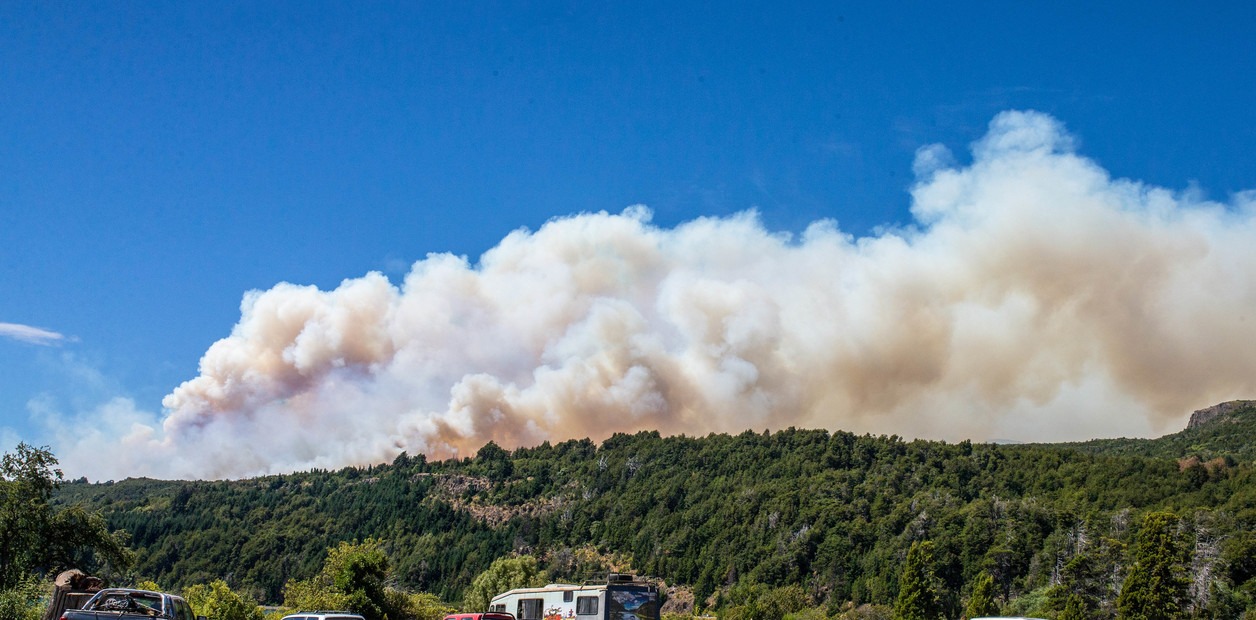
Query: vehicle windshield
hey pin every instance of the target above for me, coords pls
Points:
(134, 602)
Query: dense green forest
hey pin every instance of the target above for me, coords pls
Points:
(724, 521)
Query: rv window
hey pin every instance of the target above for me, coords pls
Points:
(567, 594)
(586, 606)
(529, 609)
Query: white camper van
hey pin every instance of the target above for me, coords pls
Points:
(622, 597)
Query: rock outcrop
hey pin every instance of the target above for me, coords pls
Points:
(1208, 414)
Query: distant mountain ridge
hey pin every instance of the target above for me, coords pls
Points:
(1224, 430)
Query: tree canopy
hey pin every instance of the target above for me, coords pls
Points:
(919, 589)
(502, 575)
(35, 536)
(1156, 586)
(834, 514)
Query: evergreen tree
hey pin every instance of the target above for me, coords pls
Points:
(981, 603)
(1088, 576)
(919, 589)
(1074, 609)
(1156, 586)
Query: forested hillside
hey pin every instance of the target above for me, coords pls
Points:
(1223, 431)
(831, 515)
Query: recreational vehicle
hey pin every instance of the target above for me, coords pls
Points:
(621, 597)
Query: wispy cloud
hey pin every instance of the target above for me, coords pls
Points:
(33, 335)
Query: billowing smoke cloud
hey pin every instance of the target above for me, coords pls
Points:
(1035, 297)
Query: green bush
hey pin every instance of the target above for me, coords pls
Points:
(25, 601)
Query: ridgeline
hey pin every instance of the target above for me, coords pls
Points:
(1224, 431)
(831, 515)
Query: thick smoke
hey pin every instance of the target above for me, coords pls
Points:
(1034, 298)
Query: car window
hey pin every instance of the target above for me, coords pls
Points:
(127, 601)
(149, 602)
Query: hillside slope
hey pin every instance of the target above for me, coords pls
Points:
(1221, 431)
(831, 512)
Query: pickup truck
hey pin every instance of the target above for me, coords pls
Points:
(128, 604)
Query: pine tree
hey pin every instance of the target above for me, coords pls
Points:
(919, 591)
(1156, 586)
(981, 603)
(1074, 609)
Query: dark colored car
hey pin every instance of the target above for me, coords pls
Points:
(130, 604)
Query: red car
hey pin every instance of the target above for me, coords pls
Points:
(487, 615)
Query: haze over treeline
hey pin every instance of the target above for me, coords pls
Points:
(1034, 296)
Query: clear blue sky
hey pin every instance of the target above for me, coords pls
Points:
(157, 160)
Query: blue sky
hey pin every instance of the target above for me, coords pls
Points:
(158, 161)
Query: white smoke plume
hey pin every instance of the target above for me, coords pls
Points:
(1035, 297)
